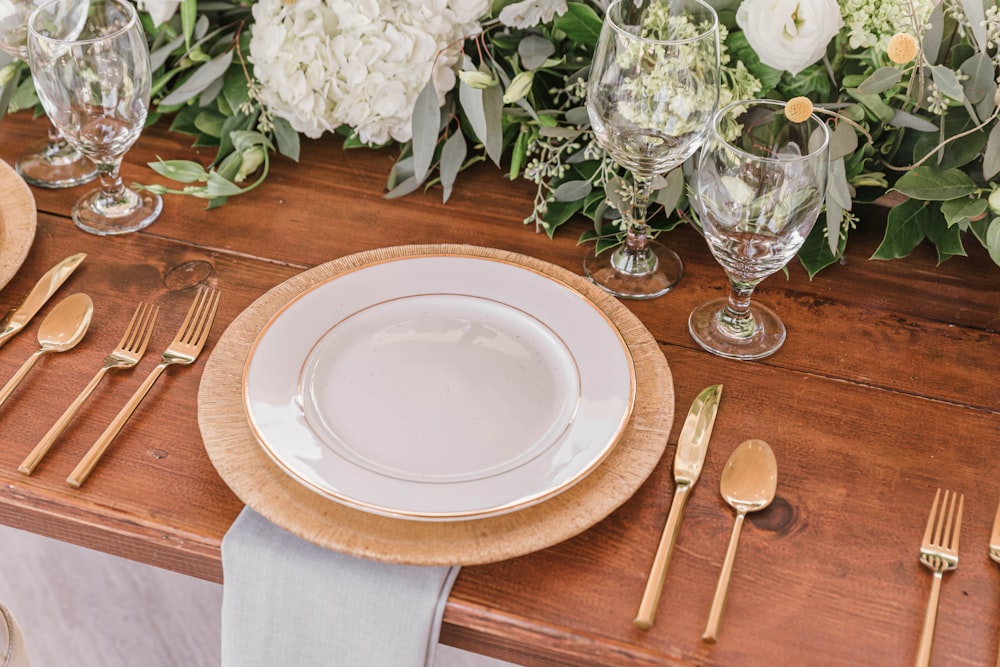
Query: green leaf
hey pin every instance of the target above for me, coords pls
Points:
(993, 240)
(519, 153)
(210, 122)
(189, 14)
(880, 81)
(182, 171)
(932, 184)
(288, 140)
(904, 229)
(981, 76)
(815, 254)
(452, 157)
(235, 88)
(934, 33)
(407, 186)
(580, 23)
(946, 239)
(945, 79)
(220, 187)
(976, 15)
(201, 79)
(738, 45)
(957, 211)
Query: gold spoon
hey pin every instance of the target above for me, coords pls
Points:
(749, 481)
(61, 330)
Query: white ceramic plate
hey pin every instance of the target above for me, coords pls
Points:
(439, 387)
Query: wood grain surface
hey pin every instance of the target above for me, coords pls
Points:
(885, 390)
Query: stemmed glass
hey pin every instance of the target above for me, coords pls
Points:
(52, 162)
(90, 62)
(653, 87)
(758, 186)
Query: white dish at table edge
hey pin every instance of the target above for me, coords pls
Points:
(470, 341)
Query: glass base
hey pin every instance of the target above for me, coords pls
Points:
(95, 213)
(54, 165)
(763, 339)
(630, 276)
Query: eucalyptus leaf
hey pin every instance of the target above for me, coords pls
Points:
(931, 183)
(991, 155)
(493, 112)
(578, 116)
(406, 187)
(668, 194)
(209, 95)
(880, 81)
(993, 240)
(426, 121)
(201, 79)
(534, 51)
(471, 100)
(981, 77)
(976, 15)
(945, 79)
(452, 157)
(904, 229)
(934, 33)
(572, 191)
(158, 57)
(905, 119)
(843, 141)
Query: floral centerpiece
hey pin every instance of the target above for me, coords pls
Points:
(908, 87)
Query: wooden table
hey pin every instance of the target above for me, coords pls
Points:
(885, 390)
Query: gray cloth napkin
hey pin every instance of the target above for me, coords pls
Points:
(287, 602)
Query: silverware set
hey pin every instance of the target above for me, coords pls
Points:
(749, 482)
(66, 325)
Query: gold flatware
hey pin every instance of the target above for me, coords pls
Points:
(184, 349)
(46, 286)
(748, 484)
(688, 459)
(939, 553)
(128, 353)
(61, 330)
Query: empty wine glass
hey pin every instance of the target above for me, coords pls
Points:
(90, 62)
(51, 162)
(653, 87)
(758, 186)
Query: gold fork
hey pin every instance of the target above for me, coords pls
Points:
(128, 353)
(184, 349)
(939, 553)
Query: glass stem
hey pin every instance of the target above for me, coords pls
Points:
(632, 257)
(112, 186)
(736, 319)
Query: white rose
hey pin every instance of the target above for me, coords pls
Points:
(160, 11)
(789, 34)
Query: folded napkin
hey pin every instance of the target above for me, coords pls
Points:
(288, 602)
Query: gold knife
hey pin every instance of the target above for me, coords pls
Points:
(688, 459)
(47, 285)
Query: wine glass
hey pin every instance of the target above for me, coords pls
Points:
(757, 187)
(51, 162)
(90, 62)
(653, 87)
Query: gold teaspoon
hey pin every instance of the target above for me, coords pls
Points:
(61, 330)
(749, 481)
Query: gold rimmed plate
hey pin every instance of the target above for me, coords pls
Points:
(439, 388)
(18, 219)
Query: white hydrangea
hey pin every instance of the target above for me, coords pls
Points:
(362, 63)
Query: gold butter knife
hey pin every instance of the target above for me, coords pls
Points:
(688, 460)
(45, 287)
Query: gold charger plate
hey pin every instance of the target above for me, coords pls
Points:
(18, 219)
(262, 485)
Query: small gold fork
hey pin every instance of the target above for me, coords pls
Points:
(183, 349)
(939, 553)
(995, 548)
(128, 353)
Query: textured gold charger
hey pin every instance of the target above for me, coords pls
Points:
(262, 485)
(18, 219)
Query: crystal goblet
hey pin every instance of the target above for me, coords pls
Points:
(90, 62)
(50, 162)
(652, 90)
(758, 185)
